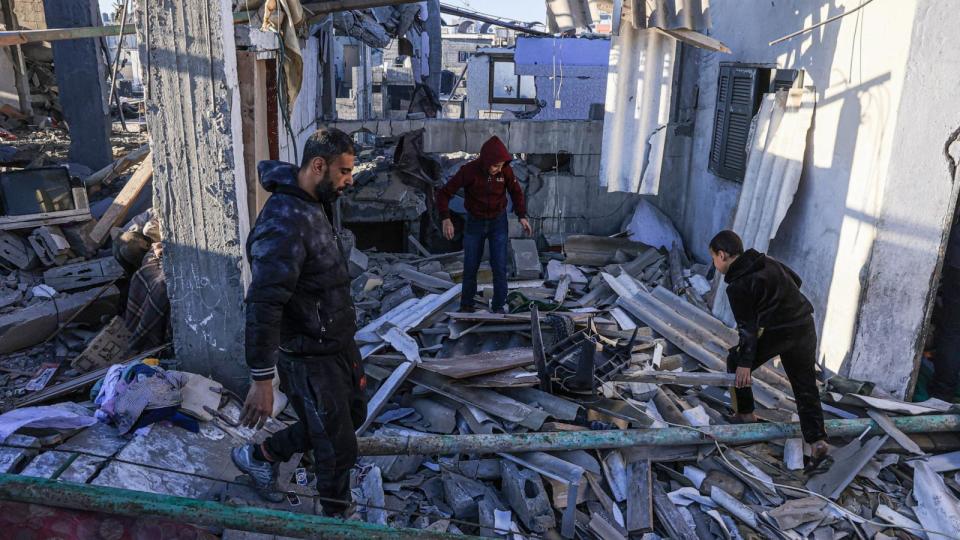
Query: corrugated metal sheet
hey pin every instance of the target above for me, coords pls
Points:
(636, 110)
(773, 171)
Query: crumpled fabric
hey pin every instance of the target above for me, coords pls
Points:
(59, 416)
(105, 391)
(144, 393)
(285, 25)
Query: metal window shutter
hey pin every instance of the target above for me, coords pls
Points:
(738, 94)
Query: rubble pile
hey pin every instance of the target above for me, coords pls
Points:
(61, 284)
(615, 335)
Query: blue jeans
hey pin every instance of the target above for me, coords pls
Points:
(475, 233)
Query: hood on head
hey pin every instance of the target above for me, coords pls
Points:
(749, 262)
(277, 173)
(493, 151)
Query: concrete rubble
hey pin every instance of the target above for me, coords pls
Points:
(605, 335)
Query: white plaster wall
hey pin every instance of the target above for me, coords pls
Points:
(917, 206)
(857, 65)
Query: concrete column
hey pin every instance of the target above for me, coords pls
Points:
(193, 116)
(436, 45)
(19, 66)
(81, 77)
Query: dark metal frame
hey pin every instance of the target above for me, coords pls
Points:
(507, 101)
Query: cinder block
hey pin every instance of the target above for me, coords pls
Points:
(524, 491)
(480, 131)
(585, 164)
(84, 274)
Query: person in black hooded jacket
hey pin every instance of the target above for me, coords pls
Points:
(300, 323)
(773, 319)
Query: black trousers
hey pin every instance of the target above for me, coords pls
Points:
(797, 348)
(327, 395)
(946, 361)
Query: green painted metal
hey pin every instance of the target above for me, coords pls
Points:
(672, 436)
(126, 502)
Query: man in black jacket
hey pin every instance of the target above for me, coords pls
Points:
(300, 323)
(773, 319)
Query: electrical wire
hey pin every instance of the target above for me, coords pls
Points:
(855, 517)
(818, 25)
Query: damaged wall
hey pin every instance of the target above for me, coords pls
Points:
(570, 201)
(875, 193)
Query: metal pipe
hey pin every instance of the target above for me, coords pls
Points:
(131, 503)
(589, 440)
(473, 15)
(19, 37)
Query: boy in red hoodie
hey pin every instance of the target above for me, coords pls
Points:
(485, 182)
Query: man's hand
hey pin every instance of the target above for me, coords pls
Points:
(259, 404)
(743, 379)
(526, 227)
(448, 229)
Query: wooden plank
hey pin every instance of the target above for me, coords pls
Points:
(121, 204)
(512, 378)
(418, 246)
(640, 498)
(30, 221)
(115, 169)
(472, 365)
(680, 378)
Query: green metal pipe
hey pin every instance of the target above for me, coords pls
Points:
(19, 37)
(126, 502)
(671, 436)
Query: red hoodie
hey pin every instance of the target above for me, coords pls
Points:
(485, 195)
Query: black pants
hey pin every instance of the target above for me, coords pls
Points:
(946, 361)
(327, 394)
(797, 348)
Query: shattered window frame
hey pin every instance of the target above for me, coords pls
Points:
(507, 59)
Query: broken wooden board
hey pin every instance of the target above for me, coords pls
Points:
(31, 221)
(486, 400)
(472, 365)
(121, 204)
(590, 250)
(85, 274)
(640, 497)
(511, 378)
(106, 348)
(33, 324)
(680, 378)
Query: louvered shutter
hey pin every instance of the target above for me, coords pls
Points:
(738, 95)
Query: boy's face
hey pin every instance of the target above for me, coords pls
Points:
(495, 168)
(721, 260)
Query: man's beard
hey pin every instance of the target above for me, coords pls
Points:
(325, 190)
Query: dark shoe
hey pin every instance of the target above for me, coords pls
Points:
(263, 473)
(467, 309)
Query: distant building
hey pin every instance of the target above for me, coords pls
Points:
(542, 78)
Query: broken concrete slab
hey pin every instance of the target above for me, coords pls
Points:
(84, 274)
(100, 440)
(12, 458)
(437, 418)
(33, 324)
(16, 251)
(526, 258)
(639, 498)
(525, 493)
